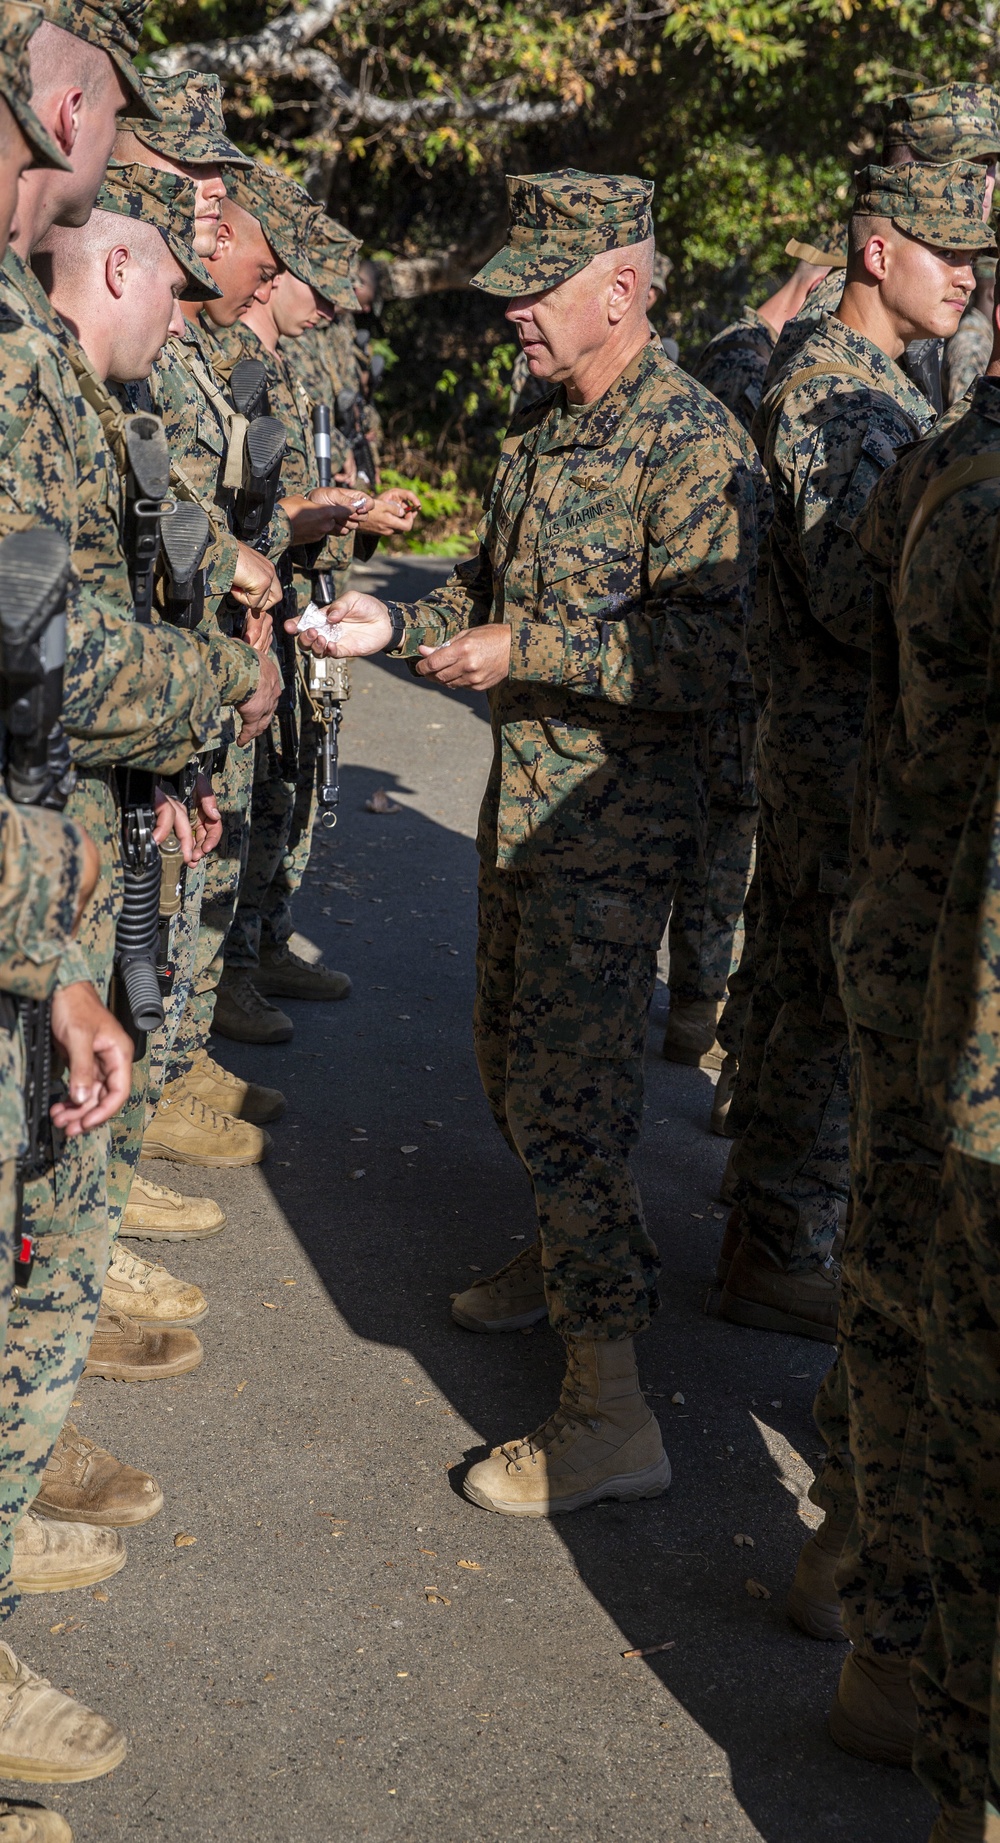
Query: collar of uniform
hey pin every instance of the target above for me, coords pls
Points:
(986, 398)
(763, 326)
(602, 418)
(859, 347)
(40, 312)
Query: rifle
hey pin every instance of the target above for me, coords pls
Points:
(34, 577)
(351, 420)
(252, 513)
(138, 999)
(329, 681)
(184, 541)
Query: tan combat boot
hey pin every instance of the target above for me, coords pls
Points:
(602, 1441)
(284, 974)
(509, 1300)
(229, 1093)
(84, 1484)
(953, 1826)
(123, 1351)
(154, 1213)
(245, 1015)
(759, 1293)
(722, 1099)
(874, 1712)
(690, 1034)
(813, 1602)
(45, 1737)
(188, 1131)
(32, 1824)
(52, 1557)
(147, 1292)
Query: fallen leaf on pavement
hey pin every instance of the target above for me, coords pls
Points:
(744, 1542)
(470, 1564)
(99, 1594)
(648, 1650)
(409, 1148)
(184, 1542)
(434, 1598)
(269, 1306)
(379, 802)
(757, 1590)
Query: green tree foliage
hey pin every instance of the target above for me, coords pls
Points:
(749, 115)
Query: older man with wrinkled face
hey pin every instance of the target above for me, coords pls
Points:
(603, 614)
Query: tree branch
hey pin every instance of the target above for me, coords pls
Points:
(281, 49)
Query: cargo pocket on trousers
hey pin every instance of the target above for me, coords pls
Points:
(600, 996)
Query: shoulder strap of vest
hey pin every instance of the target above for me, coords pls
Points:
(113, 418)
(108, 410)
(234, 425)
(820, 371)
(968, 470)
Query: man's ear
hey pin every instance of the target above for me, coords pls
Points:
(66, 123)
(875, 256)
(224, 241)
(116, 265)
(624, 287)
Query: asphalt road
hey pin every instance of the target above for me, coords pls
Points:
(348, 1649)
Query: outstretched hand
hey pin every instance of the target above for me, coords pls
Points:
(356, 626)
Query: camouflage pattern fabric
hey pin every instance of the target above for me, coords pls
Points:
(598, 738)
(41, 868)
(705, 934)
(940, 204)
(559, 222)
(958, 121)
(225, 870)
(819, 304)
(191, 124)
(317, 362)
(19, 23)
(824, 444)
(929, 719)
(564, 981)
(620, 546)
(952, 1672)
(731, 1028)
(734, 364)
(311, 244)
(352, 361)
(895, 1180)
(113, 25)
(966, 355)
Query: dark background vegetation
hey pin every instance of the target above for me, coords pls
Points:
(750, 116)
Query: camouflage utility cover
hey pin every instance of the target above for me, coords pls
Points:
(931, 636)
(734, 364)
(939, 205)
(620, 545)
(113, 25)
(959, 121)
(191, 127)
(559, 222)
(167, 201)
(314, 247)
(17, 25)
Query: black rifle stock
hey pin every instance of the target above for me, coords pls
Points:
(138, 1001)
(34, 578)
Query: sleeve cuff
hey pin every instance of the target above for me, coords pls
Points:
(550, 656)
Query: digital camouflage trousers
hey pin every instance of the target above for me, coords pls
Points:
(564, 978)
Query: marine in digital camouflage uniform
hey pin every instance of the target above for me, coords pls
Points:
(145, 696)
(198, 418)
(618, 545)
(282, 813)
(967, 353)
(926, 735)
(826, 433)
(955, 1674)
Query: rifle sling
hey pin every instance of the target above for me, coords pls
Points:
(968, 470)
(234, 424)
